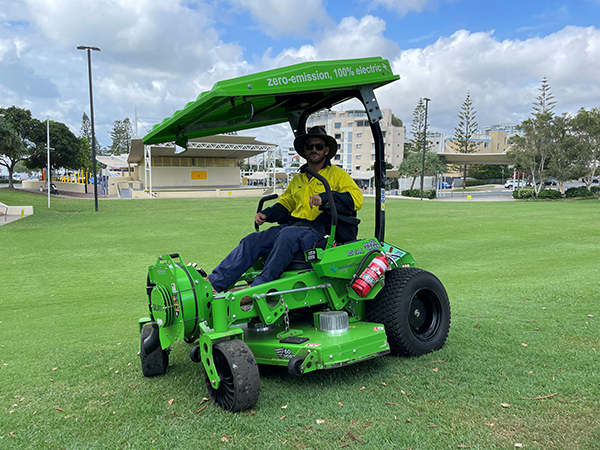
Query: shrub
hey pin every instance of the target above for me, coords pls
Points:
(430, 194)
(524, 193)
(596, 190)
(549, 193)
(578, 192)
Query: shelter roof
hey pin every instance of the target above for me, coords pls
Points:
(218, 146)
(118, 161)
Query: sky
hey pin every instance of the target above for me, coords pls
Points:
(157, 55)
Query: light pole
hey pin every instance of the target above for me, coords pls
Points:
(427, 100)
(89, 58)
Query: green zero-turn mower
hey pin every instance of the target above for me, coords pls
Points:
(312, 318)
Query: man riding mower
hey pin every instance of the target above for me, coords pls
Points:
(341, 300)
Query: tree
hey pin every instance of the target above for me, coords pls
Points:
(563, 164)
(17, 137)
(12, 148)
(586, 127)
(417, 133)
(533, 148)
(66, 148)
(121, 136)
(412, 165)
(467, 127)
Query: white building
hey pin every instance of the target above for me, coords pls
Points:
(356, 147)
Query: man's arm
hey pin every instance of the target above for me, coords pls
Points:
(346, 194)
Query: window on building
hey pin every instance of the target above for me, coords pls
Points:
(372, 157)
(337, 125)
(372, 146)
(358, 145)
(337, 157)
(358, 135)
(487, 144)
(337, 136)
(358, 156)
(342, 115)
(357, 168)
(350, 124)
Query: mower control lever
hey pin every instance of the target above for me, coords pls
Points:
(261, 202)
(333, 209)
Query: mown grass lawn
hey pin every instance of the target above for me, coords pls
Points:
(523, 280)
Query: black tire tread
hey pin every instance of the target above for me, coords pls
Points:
(240, 378)
(155, 363)
(390, 308)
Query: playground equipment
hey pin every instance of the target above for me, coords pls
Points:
(341, 304)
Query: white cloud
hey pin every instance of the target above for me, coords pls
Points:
(502, 76)
(352, 38)
(277, 18)
(403, 7)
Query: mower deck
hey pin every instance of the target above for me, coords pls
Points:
(319, 349)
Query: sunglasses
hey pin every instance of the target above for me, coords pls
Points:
(310, 145)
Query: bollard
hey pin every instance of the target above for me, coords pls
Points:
(22, 213)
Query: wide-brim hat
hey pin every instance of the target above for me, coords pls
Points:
(316, 131)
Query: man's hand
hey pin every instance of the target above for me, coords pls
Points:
(259, 218)
(315, 200)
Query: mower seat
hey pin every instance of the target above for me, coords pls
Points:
(299, 262)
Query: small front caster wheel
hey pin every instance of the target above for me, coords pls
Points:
(240, 379)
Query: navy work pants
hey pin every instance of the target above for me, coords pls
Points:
(283, 240)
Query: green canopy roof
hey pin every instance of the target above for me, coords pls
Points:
(271, 97)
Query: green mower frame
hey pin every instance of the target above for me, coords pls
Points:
(311, 318)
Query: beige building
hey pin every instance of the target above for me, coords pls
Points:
(356, 147)
(209, 162)
(491, 142)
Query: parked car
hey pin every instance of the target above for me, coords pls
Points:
(551, 182)
(511, 184)
(444, 185)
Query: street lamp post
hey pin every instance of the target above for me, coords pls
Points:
(427, 100)
(89, 58)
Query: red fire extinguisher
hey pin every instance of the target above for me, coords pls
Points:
(365, 282)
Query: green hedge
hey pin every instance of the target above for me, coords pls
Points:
(549, 193)
(578, 192)
(596, 189)
(524, 193)
(417, 193)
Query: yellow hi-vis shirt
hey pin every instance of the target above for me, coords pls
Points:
(296, 197)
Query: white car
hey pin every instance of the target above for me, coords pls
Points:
(511, 184)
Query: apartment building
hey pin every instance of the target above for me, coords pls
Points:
(494, 141)
(356, 147)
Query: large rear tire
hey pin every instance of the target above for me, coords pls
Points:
(154, 363)
(240, 379)
(414, 308)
